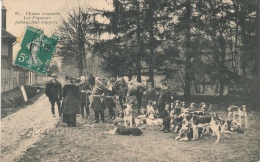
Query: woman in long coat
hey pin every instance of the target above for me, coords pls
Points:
(71, 103)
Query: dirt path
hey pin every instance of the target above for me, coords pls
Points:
(19, 131)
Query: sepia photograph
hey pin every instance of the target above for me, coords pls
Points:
(130, 80)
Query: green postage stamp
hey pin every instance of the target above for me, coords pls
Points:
(36, 50)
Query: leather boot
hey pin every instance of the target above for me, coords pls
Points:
(166, 131)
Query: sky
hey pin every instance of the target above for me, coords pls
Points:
(23, 10)
(43, 6)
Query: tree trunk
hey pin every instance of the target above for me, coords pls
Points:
(222, 65)
(138, 58)
(221, 88)
(256, 69)
(187, 93)
(82, 59)
(151, 76)
(79, 61)
(151, 48)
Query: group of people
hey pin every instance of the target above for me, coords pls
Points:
(163, 103)
(156, 106)
(75, 95)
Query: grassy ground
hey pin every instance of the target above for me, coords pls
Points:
(86, 142)
(13, 100)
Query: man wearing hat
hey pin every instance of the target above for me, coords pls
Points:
(85, 92)
(164, 101)
(53, 91)
(150, 93)
(98, 99)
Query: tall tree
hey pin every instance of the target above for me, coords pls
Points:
(138, 24)
(157, 26)
(256, 70)
(215, 23)
(188, 74)
(123, 25)
(76, 32)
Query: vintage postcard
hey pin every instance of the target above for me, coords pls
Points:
(130, 80)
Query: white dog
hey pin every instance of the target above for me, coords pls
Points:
(128, 116)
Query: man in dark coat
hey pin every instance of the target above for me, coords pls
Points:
(164, 101)
(110, 96)
(71, 103)
(98, 99)
(85, 91)
(150, 93)
(53, 91)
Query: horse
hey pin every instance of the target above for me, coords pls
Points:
(133, 88)
(119, 89)
(104, 96)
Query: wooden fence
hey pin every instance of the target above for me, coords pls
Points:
(11, 79)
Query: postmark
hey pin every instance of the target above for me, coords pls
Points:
(36, 50)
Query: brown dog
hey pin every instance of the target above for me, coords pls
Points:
(198, 121)
(123, 130)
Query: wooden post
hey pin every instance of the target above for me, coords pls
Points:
(24, 93)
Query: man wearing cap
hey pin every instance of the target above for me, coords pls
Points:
(164, 101)
(53, 91)
(85, 92)
(150, 93)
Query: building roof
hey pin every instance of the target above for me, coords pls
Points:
(7, 35)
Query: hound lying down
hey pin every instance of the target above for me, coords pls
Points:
(123, 130)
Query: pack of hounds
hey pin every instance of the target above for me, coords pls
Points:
(190, 123)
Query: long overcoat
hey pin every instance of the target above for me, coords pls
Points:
(53, 90)
(72, 99)
(151, 94)
(85, 89)
(98, 100)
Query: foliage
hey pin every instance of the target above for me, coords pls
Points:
(53, 69)
(208, 41)
(77, 30)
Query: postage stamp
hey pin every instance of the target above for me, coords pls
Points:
(36, 50)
